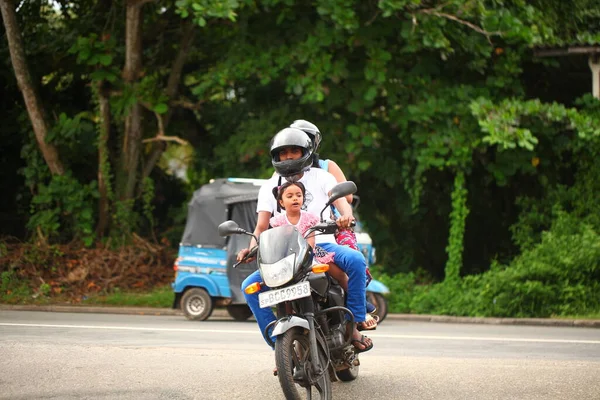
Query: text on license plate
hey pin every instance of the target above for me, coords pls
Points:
(272, 297)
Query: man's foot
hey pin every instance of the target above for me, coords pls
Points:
(370, 324)
(360, 342)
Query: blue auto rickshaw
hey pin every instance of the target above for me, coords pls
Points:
(204, 275)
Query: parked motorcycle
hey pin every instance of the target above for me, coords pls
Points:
(313, 329)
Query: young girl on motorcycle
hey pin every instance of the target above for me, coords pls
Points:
(290, 196)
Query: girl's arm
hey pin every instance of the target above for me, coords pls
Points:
(311, 240)
(310, 220)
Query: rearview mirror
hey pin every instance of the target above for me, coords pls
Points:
(340, 190)
(228, 228)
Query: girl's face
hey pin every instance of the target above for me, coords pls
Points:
(292, 198)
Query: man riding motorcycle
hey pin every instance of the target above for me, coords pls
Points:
(292, 157)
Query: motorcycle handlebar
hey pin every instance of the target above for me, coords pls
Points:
(328, 227)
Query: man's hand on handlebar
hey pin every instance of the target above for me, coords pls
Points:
(345, 221)
(242, 254)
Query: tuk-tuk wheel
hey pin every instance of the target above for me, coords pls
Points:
(196, 304)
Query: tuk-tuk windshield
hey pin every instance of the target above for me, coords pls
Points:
(278, 243)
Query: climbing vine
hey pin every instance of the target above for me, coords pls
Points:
(458, 218)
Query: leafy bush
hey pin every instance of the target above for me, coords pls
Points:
(401, 287)
(64, 207)
(560, 276)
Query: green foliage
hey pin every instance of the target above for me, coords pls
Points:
(580, 200)
(428, 106)
(501, 122)
(458, 218)
(560, 276)
(125, 221)
(68, 132)
(147, 197)
(402, 290)
(12, 288)
(151, 93)
(64, 207)
(201, 10)
(98, 54)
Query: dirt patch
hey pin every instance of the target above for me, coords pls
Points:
(73, 271)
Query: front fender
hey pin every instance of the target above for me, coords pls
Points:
(287, 323)
(377, 287)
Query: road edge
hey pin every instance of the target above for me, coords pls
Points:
(219, 312)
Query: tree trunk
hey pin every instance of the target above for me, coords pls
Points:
(132, 139)
(172, 90)
(30, 95)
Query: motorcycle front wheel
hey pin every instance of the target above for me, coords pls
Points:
(293, 360)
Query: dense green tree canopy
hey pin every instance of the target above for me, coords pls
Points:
(432, 107)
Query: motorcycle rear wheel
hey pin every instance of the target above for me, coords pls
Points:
(292, 354)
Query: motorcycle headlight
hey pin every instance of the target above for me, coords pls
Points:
(278, 273)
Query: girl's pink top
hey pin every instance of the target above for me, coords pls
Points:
(306, 221)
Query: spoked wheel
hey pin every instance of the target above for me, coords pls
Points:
(293, 359)
(196, 304)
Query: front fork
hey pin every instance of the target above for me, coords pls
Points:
(312, 340)
(306, 310)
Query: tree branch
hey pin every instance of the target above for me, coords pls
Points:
(435, 12)
(164, 138)
(160, 135)
(187, 104)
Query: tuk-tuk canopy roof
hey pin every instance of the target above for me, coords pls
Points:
(209, 207)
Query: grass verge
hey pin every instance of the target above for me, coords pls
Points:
(158, 297)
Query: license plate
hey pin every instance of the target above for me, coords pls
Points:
(272, 297)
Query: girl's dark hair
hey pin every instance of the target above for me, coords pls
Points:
(279, 190)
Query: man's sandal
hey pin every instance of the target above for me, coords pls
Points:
(361, 341)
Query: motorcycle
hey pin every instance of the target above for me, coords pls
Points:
(313, 329)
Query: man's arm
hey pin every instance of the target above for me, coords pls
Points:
(262, 224)
(337, 172)
(344, 208)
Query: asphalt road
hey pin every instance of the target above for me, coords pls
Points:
(104, 356)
